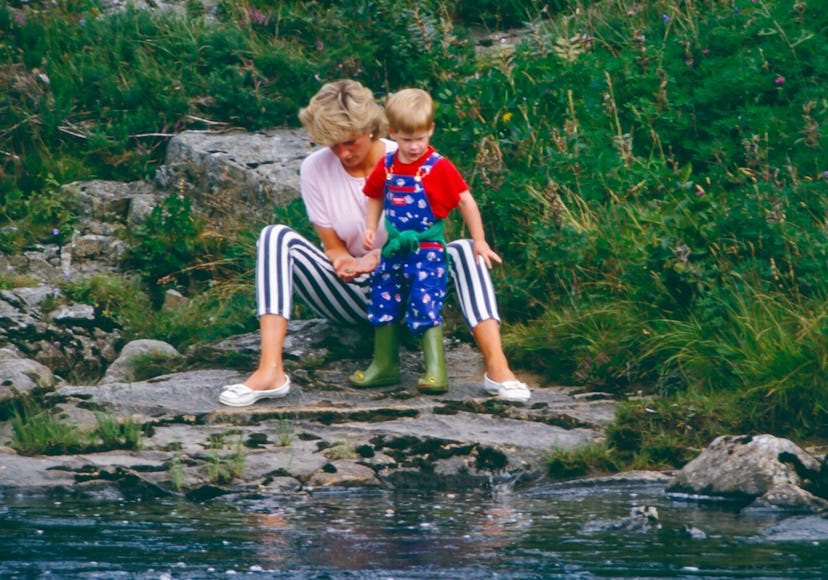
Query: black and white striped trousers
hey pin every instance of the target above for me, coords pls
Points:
(286, 260)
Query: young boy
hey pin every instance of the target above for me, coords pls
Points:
(417, 188)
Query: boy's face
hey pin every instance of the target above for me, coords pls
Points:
(412, 146)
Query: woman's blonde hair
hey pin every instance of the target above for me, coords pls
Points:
(410, 111)
(340, 110)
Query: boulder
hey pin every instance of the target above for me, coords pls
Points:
(180, 7)
(762, 471)
(231, 176)
(136, 358)
(20, 376)
(42, 262)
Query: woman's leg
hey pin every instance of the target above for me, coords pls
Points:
(487, 336)
(478, 304)
(285, 261)
(270, 373)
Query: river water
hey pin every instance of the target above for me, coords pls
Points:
(557, 531)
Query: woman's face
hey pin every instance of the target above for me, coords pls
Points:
(353, 153)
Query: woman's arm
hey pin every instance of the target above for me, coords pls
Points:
(346, 266)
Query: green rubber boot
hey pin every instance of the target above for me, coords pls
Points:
(435, 381)
(384, 370)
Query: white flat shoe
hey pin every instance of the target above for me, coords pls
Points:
(240, 395)
(507, 390)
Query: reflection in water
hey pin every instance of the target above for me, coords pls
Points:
(550, 532)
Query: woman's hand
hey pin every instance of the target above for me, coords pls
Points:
(348, 267)
(345, 267)
(369, 262)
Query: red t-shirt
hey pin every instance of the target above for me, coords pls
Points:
(443, 184)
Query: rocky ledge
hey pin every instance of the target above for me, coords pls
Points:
(324, 433)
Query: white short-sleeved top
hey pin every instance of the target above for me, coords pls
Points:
(334, 199)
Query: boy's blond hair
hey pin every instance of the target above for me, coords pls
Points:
(341, 110)
(410, 111)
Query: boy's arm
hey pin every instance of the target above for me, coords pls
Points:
(471, 215)
(372, 217)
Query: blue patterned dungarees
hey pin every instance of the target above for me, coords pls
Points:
(415, 277)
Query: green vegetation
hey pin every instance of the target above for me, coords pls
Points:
(340, 450)
(224, 468)
(284, 432)
(115, 433)
(38, 431)
(653, 174)
(580, 462)
(176, 471)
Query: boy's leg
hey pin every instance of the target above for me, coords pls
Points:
(384, 369)
(435, 381)
(383, 312)
(428, 275)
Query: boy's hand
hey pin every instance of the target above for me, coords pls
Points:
(485, 255)
(368, 237)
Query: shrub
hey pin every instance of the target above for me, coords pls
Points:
(164, 246)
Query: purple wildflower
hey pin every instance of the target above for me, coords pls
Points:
(258, 17)
(665, 18)
(780, 80)
(55, 232)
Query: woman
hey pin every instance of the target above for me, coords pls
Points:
(345, 118)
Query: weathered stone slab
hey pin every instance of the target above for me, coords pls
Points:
(232, 176)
